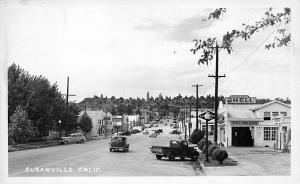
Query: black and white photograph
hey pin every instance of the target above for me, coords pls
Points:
(152, 91)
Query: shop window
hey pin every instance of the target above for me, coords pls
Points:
(274, 114)
(267, 116)
(270, 133)
(283, 113)
(284, 129)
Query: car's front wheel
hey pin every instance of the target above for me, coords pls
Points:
(66, 142)
(194, 156)
(158, 157)
(172, 156)
(81, 141)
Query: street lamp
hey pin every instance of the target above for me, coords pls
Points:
(207, 116)
(59, 122)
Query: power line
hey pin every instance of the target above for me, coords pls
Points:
(255, 49)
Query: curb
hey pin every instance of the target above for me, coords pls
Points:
(47, 145)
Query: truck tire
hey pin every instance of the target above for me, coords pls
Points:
(171, 156)
(110, 150)
(158, 157)
(194, 156)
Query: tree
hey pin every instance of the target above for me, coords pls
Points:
(41, 100)
(85, 122)
(20, 128)
(282, 38)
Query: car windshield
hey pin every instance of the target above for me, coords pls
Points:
(119, 139)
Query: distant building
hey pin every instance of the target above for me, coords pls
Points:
(117, 121)
(101, 120)
(201, 122)
(133, 120)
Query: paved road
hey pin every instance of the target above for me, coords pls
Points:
(94, 159)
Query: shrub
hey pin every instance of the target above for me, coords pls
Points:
(204, 147)
(221, 156)
(202, 143)
(196, 136)
(215, 153)
(211, 149)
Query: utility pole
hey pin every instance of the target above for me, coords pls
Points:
(190, 122)
(197, 86)
(185, 122)
(67, 95)
(216, 76)
(106, 123)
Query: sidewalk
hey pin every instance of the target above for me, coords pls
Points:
(48, 143)
(249, 161)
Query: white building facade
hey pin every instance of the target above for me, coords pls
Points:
(102, 122)
(249, 124)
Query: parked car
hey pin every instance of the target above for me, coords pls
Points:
(118, 143)
(177, 149)
(73, 138)
(159, 130)
(156, 125)
(126, 133)
(146, 132)
(175, 132)
(135, 131)
(153, 134)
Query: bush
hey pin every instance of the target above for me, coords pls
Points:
(215, 153)
(211, 149)
(204, 147)
(221, 156)
(196, 136)
(201, 143)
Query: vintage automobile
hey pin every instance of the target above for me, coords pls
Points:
(146, 132)
(159, 130)
(179, 149)
(153, 134)
(175, 132)
(118, 143)
(73, 138)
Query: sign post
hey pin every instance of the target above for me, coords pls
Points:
(207, 116)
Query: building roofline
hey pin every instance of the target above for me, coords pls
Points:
(245, 119)
(269, 103)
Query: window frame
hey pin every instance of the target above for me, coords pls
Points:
(267, 117)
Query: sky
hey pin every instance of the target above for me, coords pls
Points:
(127, 48)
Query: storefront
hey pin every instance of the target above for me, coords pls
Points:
(247, 123)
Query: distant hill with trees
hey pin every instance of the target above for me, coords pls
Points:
(164, 105)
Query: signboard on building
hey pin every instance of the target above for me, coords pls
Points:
(240, 99)
(247, 123)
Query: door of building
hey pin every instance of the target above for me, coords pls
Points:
(241, 136)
